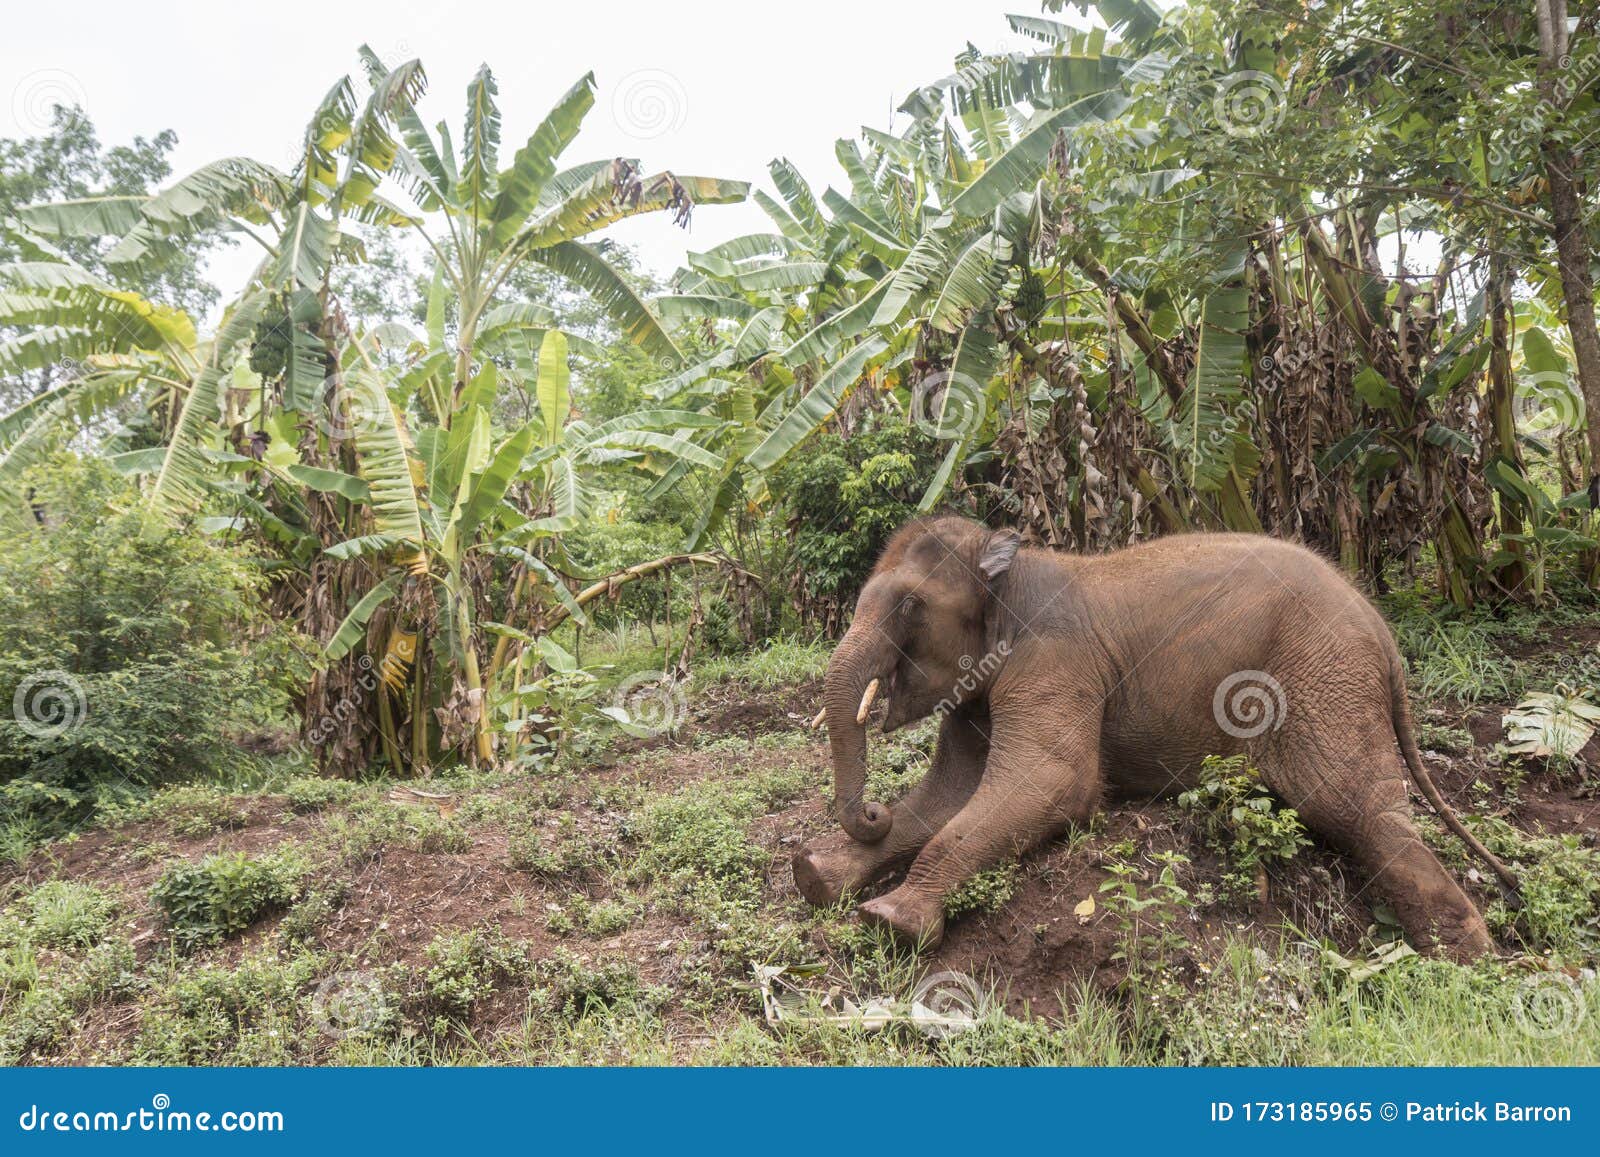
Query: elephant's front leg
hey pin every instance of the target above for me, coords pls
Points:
(1043, 774)
(828, 868)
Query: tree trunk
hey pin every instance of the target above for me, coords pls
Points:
(1571, 239)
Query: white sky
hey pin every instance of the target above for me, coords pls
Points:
(717, 87)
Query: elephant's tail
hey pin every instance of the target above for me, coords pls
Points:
(1400, 712)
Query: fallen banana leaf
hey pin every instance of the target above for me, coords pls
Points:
(1376, 961)
(783, 1001)
(1548, 724)
(444, 803)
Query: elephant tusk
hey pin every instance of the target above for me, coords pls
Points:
(817, 722)
(867, 697)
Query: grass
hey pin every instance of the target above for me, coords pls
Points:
(781, 663)
(610, 911)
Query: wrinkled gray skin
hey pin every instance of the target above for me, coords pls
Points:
(1059, 677)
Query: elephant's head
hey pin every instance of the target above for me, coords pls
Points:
(919, 639)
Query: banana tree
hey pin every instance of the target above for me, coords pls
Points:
(446, 505)
(492, 221)
(116, 344)
(903, 280)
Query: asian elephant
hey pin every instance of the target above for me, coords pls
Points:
(1059, 676)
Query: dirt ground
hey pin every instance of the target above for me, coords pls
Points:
(1033, 948)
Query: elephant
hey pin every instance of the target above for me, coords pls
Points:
(1058, 677)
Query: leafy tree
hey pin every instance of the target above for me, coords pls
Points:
(69, 163)
(134, 652)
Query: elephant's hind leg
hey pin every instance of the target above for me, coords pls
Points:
(1033, 788)
(828, 868)
(1356, 798)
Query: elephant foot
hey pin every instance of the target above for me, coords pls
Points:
(917, 925)
(819, 882)
(825, 875)
(1468, 941)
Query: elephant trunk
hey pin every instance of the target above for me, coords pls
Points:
(858, 661)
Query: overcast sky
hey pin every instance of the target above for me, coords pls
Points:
(715, 87)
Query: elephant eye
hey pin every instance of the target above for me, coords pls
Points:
(910, 606)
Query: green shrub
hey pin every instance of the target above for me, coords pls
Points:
(223, 894)
(1560, 890)
(67, 914)
(604, 548)
(846, 496)
(466, 966)
(561, 852)
(986, 891)
(1243, 824)
(252, 1012)
(194, 810)
(134, 649)
(573, 988)
(312, 793)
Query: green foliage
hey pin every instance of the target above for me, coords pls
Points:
(464, 967)
(719, 633)
(191, 810)
(1459, 660)
(222, 895)
(985, 891)
(68, 163)
(844, 497)
(249, 1012)
(370, 825)
(1249, 1008)
(1147, 916)
(607, 547)
(560, 851)
(697, 857)
(1560, 891)
(42, 1005)
(594, 917)
(313, 793)
(781, 662)
(135, 651)
(1450, 740)
(67, 914)
(574, 988)
(1243, 823)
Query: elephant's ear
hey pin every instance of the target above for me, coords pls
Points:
(998, 554)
